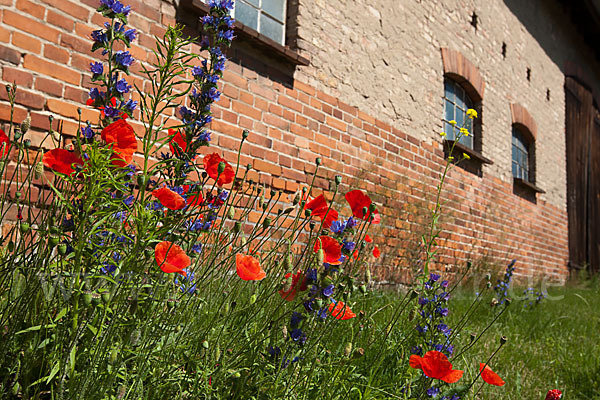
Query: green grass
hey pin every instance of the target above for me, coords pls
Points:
(551, 346)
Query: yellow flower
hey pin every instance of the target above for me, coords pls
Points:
(464, 131)
(471, 113)
(466, 156)
(452, 122)
(443, 134)
(451, 158)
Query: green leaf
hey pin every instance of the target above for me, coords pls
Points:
(72, 358)
(35, 328)
(61, 314)
(53, 373)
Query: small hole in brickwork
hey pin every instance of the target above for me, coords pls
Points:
(548, 94)
(474, 20)
(529, 74)
(503, 49)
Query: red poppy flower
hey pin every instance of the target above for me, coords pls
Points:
(171, 258)
(298, 283)
(331, 247)
(490, 376)
(436, 365)
(211, 166)
(4, 144)
(177, 137)
(194, 198)
(553, 394)
(376, 252)
(169, 199)
(368, 239)
(358, 200)
(61, 160)
(319, 208)
(355, 254)
(124, 143)
(341, 311)
(248, 268)
(113, 103)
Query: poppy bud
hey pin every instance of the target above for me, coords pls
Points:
(205, 344)
(27, 143)
(53, 241)
(248, 167)
(272, 192)
(39, 169)
(217, 353)
(488, 276)
(236, 375)
(288, 210)
(287, 261)
(368, 275)
(311, 225)
(245, 134)
(95, 299)
(105, 297)
(365, 210)
(15, 388)
(24, 227)
(320, 256)
(413, 294)
(2, 163)
(411, 315)
(237, 226)
(231, 213)
(113, 356)
(363, 289)
(318, 161)
(307, 213)
(261, 201)
(62, 249)
(348, 349)
(26, 124)
(507, 302)
(18, 134)
(18, 194)
(226, 308)
(284, 331)
(221, 167)
(488, 285)
(296, 199)
(204, 174)
(266, 223)
(503, 340)
(473, 337)
(338, 179)
(319, 303)
(142, 180)
(170, 303)
(265, 206)
(358, 353)
(87, 298)
(494, 302)
(253, 299)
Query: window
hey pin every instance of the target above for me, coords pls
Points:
(456, 104)
(264, 16)
(520, 156)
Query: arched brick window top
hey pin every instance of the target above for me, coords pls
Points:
(461, 70)
(522, 118)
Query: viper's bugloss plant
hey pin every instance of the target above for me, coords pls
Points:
(144, 269)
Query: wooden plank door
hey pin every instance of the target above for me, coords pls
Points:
(583, 174)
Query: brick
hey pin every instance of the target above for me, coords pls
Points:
(4, 35)
(59, 20)
(10, 55)
(57, 54)
(18, 76)
(71, 8)
(287, 102)
(77, 95)
(49, 86)
(75, 43)
(246, 110)
(31, 9)
(26, 98)
(26, 42)
(30, 26)
(19, 113)
(50, 69)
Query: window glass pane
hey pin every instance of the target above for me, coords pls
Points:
(246, 14)
(255, 3)
(449, 90)
(449, 110)
(467, 141)
(449, 131)
(459, 117)
(275, 8)
(271, 28)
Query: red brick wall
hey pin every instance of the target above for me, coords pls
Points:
(45, 49)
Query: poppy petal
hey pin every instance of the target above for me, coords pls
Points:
(376, 252)
(415, 361)
(248, 268)
(211, 166)
(315, 204)
(124, 142)
(4, 144)
(368, 239)
(452, 377)
(171, 258)
(61, 160)
(490, 376)
(436, 365)
(331, 248)
(177, 137)
(340, 311)
(169, 199)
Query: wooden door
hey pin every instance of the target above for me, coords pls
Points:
(583, 175)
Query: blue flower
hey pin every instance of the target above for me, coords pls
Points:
(433, 392)
(130, 34)
(186, 284)
(274, 351)
(97, 68)
(328, 290)
(351, 223)
(111, 112)
(87, 131)
(421, 329)
(298, 336)
(434, 277)
(337, 227)
(130, 105)
(99, 36)
(197, 248)
(311, 275)
(122, 86)
(123, 58)
(416, 350)
(95, 94)
(295, 319)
